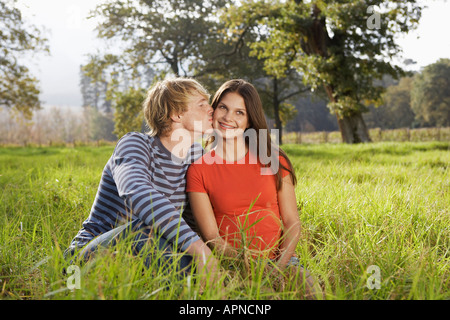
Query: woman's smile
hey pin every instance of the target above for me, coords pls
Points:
(226, 126)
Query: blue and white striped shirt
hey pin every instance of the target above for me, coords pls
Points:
(141, 181)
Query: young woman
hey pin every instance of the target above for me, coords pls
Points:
(242, 191)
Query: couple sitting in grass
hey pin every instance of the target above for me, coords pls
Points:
(237, 200)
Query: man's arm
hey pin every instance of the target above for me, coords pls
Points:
(130, 172)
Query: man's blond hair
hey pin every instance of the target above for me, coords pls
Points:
(166, 98)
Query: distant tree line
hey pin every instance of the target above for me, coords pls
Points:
(48, 126)
(419, 100)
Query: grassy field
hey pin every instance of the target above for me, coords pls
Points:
(380, 206)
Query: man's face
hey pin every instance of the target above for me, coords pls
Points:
(198, 117)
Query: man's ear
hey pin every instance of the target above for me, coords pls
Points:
(176, 117)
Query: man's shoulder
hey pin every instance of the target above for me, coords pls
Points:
(135, 136)
(137, 140)
(196, 152)
(135, 143)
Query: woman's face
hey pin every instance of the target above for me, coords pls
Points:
(230, 117)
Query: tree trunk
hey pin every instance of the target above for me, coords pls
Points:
(353, 128)
(351, 125)
(276, 111)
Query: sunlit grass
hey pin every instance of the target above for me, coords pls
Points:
(381, 204)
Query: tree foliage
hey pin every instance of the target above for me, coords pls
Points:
(231, 58)
(108, 84)
(395, 112)
(94, 92)
(151, 39)
(128, 114)
(168, 33)
(342, 48)
(430, 97)
(180, 37)
(333, 45)
(18, 88)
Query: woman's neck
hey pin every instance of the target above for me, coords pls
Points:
(231, 149)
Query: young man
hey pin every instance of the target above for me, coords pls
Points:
(142, 188)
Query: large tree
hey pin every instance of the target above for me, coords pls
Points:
(340, 45)
(18, 40)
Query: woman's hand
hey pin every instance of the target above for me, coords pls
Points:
(207, 264)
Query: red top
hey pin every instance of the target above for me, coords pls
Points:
(244, 200)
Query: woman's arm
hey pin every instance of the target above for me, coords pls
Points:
(287, 204)
(204, 216)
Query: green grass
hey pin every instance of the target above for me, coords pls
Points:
(382, 204)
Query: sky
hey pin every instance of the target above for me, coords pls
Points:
(72, 37)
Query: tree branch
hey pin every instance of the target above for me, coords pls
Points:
(295, 93)
(239, 43)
